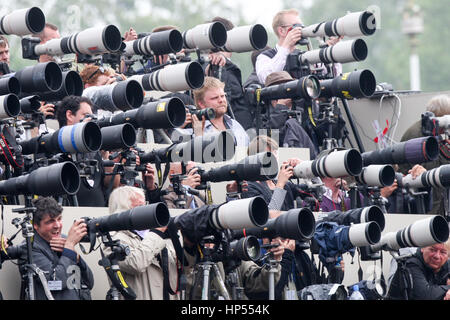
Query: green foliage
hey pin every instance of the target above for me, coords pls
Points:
(388, 49)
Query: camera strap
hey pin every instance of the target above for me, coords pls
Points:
(172, 231)
(7, 151)
(164, 261)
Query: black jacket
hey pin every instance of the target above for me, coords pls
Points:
(427, 285)
(263, 190)
(58, 266)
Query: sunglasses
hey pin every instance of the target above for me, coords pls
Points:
(101, 69)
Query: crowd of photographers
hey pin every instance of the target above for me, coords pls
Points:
(251, 247)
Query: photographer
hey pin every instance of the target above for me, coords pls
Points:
(279, 194)
(292, 133)
(400, 201)
(275, 59)
(440, 106)
(222, 68)
(55, 254)
(70, 111)
(4, 55)
(150, 252)
(428, 269)
(50, 32)
(335, 196)
(212, 95)
(190, 182)
(93, 75)
(286, 26)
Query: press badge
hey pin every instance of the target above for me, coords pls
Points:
(55, 285)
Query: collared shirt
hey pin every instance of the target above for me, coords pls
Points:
(141, 233)
(241, 138)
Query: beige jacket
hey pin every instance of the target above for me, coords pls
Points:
(141, 269)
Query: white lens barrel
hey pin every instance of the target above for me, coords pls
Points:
(377, 175)
(240, 214)
(246, 38)
(342, 52)
(92, 41)
(177, 77)
(426, 232)
(373, 213)
(422, 233)
(95, 41)
(304, 170)
(418, 182)
(439, 177)
(354, 24)
(52, 47)
(22, 22)
(364, 234)
(205, 36)
(339, 164)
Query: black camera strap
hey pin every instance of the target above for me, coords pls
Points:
(163, 259)
(172, 232)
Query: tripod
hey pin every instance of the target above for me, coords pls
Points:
(272, 266)
(111, 265)
(207, 268)
(406, 283)
(31, 270)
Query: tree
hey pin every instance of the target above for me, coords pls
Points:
(389, 51)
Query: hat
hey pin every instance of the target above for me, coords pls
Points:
(277, 78)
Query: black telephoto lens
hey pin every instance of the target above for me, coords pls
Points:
(155, 215)
(72, 85)
(42, 77)
(161, 114)
(357, 84)
(414, 151)
(57, 179)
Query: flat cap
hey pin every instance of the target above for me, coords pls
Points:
(277, 78)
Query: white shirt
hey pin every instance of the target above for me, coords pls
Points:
(265, 65)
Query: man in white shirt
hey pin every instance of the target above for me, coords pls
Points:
(288, 36)
(285, 25)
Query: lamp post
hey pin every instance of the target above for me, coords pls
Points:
(412, 26)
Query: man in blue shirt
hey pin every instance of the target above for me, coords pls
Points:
(212, 95)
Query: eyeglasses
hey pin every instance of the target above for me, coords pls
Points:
(101, 69)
